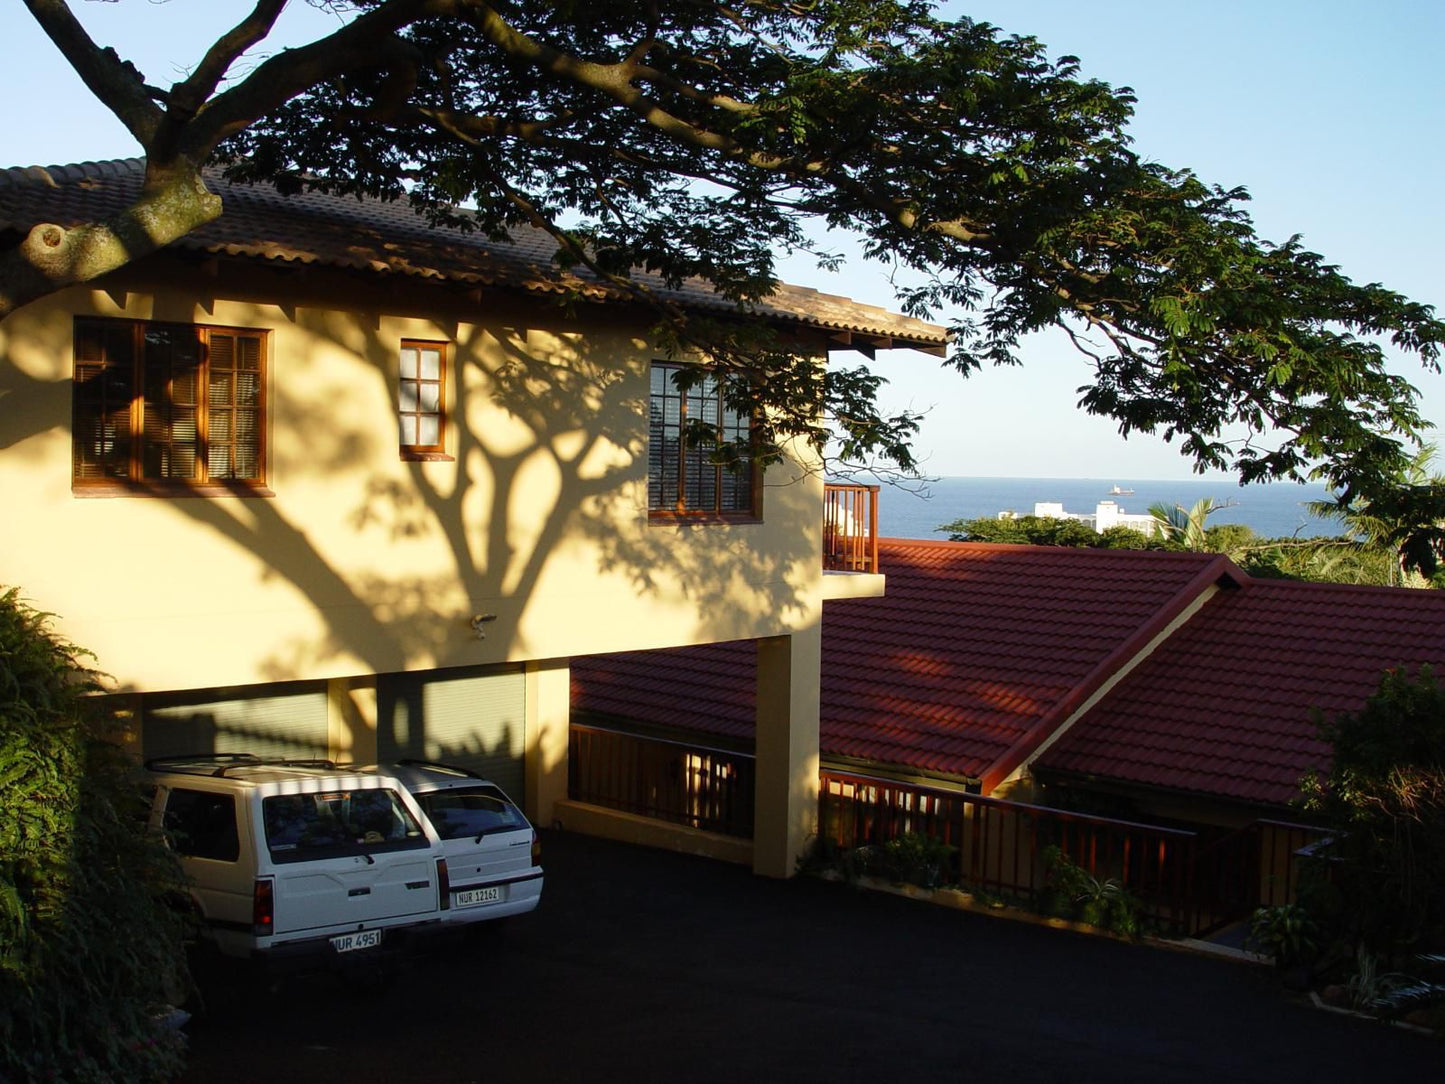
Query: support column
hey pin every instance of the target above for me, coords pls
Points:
(549, 708)
(786, 809)
(351, 720)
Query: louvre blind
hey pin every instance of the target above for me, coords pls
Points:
(474, 718)
(270, 721)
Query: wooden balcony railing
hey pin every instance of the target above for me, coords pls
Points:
(700, 787)
(850, 528)
(1184, 884)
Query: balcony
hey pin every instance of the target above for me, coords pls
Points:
(850, 528)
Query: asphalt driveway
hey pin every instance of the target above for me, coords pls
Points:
(642, 965)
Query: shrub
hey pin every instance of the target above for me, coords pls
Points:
(913, 859)
(88, 947)
(1075, 893)
(1287, 932)
(1385, 795)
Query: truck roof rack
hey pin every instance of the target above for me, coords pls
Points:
(218, 764)
(438, 766)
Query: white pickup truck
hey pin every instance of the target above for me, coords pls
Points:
(300, 860)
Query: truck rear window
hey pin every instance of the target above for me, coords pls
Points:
(331, 824)
(471, 811)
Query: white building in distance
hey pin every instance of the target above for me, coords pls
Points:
(1105, 515)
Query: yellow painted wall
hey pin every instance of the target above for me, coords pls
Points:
(362, 563)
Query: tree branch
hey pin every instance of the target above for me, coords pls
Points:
(188, 96)
(365, 42)
(113, 81)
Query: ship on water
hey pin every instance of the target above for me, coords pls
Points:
(1120, 491)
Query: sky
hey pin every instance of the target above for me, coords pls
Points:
(1330, 112)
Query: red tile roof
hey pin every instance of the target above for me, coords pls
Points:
(978, 651)
(971, 659)
(388, 238)
(1223, 707)
(707, 688)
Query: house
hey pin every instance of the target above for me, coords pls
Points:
(319, 480)
(1217, 724)
(1168, 687)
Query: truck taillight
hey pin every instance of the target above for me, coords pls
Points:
(536, 848)
(263, 907)
(444, 884)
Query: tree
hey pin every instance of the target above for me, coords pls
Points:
(1375, 531)
(1189, 528)
(697, 138)
(89, 947)
(1385, 792)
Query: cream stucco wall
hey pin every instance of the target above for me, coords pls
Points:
(362, 563)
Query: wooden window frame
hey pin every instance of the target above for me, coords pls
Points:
(135, 483)
(680, 511)
(415, 453)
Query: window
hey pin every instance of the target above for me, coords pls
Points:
(169, 407)
(203, 825)
(683, 479)
(422, 400)
(471, 812)
(301, 827)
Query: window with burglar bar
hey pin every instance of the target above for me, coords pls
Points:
(685, 479)
(160, 407)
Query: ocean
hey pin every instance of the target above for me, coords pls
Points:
(1272, 510)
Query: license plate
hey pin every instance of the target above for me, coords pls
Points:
(471, 897)
(361, 939)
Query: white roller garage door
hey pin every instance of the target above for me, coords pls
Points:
(269, 720)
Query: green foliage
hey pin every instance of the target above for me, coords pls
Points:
(88, 947)
(908, 859)
(701, 140)
(1320, 560)
(1075, 893)
(1045, 531)
(1287, 932)
(1385, 793)
(1184, 527)
(1377, 529)
(1323, 560)
(1423, 985)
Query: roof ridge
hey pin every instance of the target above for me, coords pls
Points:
(386, 237)
(1322, 587)
(1014, 547)
(53, 176)
(1053, 723)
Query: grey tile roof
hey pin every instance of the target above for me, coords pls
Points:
(390, 239)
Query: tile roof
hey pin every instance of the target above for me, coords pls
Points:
(1223, 707)
(973, 655)
(708, 688)
(388, 238)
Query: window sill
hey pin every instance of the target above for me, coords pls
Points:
(703, 517)
(170, 489)
(410, 456)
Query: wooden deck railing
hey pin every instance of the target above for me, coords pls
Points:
(710, 789)
(850, 528)
(1185, 885)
